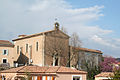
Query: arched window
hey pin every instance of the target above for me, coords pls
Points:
(56, 62)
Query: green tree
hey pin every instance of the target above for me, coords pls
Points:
(116, 74)
(26, 77)
(92, 71)
(75, 42)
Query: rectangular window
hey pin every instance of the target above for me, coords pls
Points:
(36, 46)
(5, 52)
(4, 61)
(21, 49)
(17, 49)
(76, 78)
(3, 78)
(26, 48)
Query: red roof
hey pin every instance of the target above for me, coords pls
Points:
(104, 74)
(88, 50)
(37, 34)
(38, 69)
(6, 43)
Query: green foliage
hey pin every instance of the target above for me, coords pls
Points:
(26, 77)
(92, 71)
(4, 66)
(1, 68)
(116, 74)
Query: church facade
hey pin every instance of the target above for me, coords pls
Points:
(50, 48)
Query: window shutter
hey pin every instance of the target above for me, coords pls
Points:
(7, 52)
(3, 51)
(53, 78)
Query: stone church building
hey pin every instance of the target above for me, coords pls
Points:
(50, 48)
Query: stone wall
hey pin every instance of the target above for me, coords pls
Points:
(56, 46)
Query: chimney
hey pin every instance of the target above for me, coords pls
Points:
(21, 36)
(56, 26)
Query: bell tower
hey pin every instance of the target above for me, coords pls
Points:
(56, 26)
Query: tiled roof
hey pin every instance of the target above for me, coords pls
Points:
(118, 63)
(104, 74)
(37, 34)
(89, 50)
(33, 35)
(69, 70)
(6, 43)
(33, 69)
(38, 69)
(12, 70)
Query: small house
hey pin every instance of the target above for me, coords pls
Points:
(103, 76)
(43, 73)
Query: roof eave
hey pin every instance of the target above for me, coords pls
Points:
(33, 35)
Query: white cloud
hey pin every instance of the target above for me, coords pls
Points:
(109, 46)
(105, 42)
(41, 5)
(17, 17)
(118, 40)
(33, 16)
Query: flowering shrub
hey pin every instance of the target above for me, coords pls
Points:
(107, 64)
(116, 74)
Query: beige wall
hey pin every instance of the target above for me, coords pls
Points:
(70, 76)
(101, 78)
(59, 42)
(10, 57)
(36, 55)
(9, 76)
(47, 43)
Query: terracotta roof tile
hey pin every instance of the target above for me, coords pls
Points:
(52, 69)
(29, 36)
(69, 70)
(6, 43)
(38, 69)
(118, 63)
(104, 74)
(89, 50)
(12, 70)
(34, 69)
(37, 34)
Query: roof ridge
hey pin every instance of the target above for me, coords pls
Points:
(87, 49)
(46, 69)
(64, 33)
(58, 68)
(36, 34)
(20, 68)
(31, 35)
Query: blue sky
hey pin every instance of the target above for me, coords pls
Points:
(111, 13)
(95, 21)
